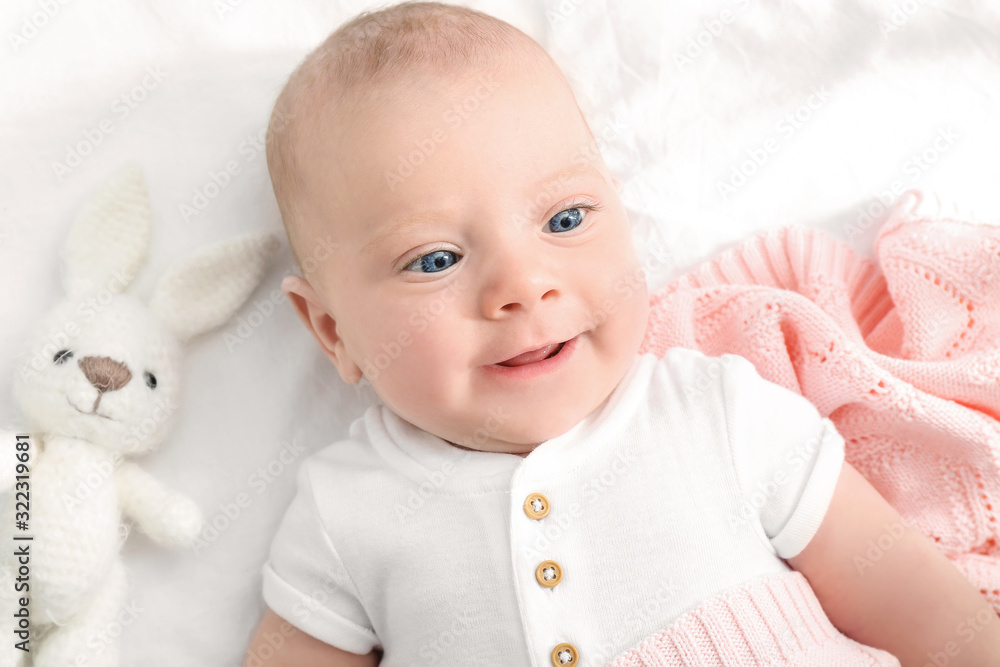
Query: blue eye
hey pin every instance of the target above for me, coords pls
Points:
(432, 262)
(563, 221)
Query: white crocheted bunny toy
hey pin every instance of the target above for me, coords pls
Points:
(98, 383)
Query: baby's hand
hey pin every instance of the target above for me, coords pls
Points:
(912, 601)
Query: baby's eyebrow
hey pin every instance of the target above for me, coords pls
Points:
(414, 220)
(566, 173)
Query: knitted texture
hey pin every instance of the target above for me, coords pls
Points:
(98, 381)
(901, 355)
(109, 240)
(773, 621)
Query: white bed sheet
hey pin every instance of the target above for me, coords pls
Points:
(686, 92)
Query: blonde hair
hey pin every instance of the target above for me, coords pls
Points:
(377, 48)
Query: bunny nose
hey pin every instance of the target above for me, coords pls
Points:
(105, 373)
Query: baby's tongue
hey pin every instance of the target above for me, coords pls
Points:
(530, 357)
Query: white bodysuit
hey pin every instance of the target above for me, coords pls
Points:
(696, 475)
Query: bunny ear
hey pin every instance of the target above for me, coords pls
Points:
(107, 244)
(202, 291)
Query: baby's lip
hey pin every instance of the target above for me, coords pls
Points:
(531, 355)
(545, 349)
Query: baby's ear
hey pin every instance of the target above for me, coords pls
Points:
(321, 325)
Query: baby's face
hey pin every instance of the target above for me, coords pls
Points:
(473, 223)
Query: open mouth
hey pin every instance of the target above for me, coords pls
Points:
(535, 363)
(534, 356)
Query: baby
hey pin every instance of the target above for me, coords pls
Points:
(533, 491)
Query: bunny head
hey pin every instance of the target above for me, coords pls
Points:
(106, 374)
(103, 366)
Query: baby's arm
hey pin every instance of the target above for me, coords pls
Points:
(911, 601)
(277, 643)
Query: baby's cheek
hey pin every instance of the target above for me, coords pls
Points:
(377, 341)
(421, 380)
(415, 358)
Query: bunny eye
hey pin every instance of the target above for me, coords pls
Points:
(150, 379)
(62, 356)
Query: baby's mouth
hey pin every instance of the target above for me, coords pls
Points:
(534, 356)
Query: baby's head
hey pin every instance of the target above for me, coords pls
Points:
(448, 205)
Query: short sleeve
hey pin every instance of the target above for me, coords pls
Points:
(305, 582)
(787, 456)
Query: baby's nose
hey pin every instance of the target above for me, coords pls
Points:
(519, 284)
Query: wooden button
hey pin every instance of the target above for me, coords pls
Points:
(536, 506)
(565, 654)
(548, 573)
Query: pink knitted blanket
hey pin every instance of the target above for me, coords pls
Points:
(902, 355)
